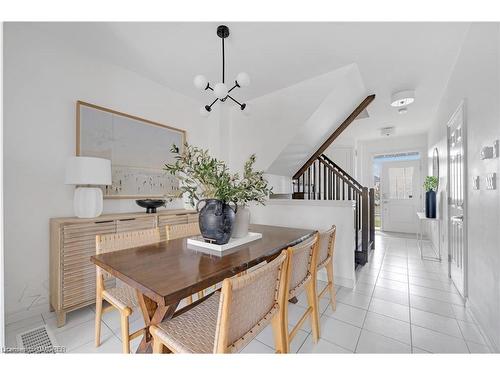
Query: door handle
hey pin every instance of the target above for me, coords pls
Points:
(459, 218)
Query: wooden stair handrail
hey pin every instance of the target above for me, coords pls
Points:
(360, 108)
(343, 178)
(336, 166)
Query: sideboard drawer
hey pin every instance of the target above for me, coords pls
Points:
(133, 224)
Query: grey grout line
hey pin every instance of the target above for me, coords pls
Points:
(409, 300)
(371, 298)
(303, 342)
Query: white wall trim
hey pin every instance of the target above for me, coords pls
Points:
(2, 272)
(473, 311)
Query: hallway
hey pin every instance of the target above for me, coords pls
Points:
(411, 302)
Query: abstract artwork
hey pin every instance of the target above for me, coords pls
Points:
(137, 148)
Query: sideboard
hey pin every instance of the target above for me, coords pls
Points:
(72, 242)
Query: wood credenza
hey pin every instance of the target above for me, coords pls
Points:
(72, 242)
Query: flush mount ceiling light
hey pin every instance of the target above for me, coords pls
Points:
(387, 131)
(221, 90)
(402, 98)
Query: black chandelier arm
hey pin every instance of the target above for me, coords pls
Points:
(232, 88)
(234, 100)
(209, 107)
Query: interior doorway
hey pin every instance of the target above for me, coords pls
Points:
(398, 191)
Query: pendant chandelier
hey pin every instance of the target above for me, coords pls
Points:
(220, 90)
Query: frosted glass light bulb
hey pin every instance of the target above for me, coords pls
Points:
(243, 79)
(220, 90)
(200, 82)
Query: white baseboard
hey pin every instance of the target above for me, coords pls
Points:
(473, 313)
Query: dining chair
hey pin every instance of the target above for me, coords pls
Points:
(225, 321)
(120, 296)
(326, 251)
(301, 275)
(175, 231)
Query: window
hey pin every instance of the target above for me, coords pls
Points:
(401, 182)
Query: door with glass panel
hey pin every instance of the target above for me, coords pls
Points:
(400, 193)
(457, 204)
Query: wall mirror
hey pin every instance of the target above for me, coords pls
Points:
(435, 164)
(138, 149)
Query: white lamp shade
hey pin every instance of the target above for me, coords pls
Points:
(83, 170)
(243, 79)
(402, 98)
(220, 90)
(200, 82)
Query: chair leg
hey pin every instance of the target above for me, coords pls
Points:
(331, 285)
(157, 346)
(125, 332)
(98, 319)
(284, 328)
(189, 299)
(278, 333)
(201, 294)
(312, 298)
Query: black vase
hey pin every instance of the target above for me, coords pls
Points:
(430, 204)
(216, 220)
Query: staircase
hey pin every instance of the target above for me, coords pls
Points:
(325, 180)
(322, 179)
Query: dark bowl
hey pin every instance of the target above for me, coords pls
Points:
(150, 204)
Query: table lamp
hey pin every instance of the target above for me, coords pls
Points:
(87, 171)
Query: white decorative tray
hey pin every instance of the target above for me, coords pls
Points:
(199, 243)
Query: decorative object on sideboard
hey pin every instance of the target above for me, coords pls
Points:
(253, 187)
(430, 185)
(87, 174)
(151, 204)
(138, 151)
(220, 90)
(208, 180)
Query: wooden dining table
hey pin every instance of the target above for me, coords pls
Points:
(165, 273)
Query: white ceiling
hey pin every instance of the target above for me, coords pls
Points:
(389, 56)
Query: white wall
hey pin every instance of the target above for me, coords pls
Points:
(366, 150)
(42, 82)
(317, 215)
(287, 125)
(476, 78)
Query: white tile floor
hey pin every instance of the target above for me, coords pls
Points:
(401, 304)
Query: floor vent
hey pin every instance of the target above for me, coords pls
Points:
(38, 340)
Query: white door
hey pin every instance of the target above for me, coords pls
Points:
(400, 192)
(457, 205)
